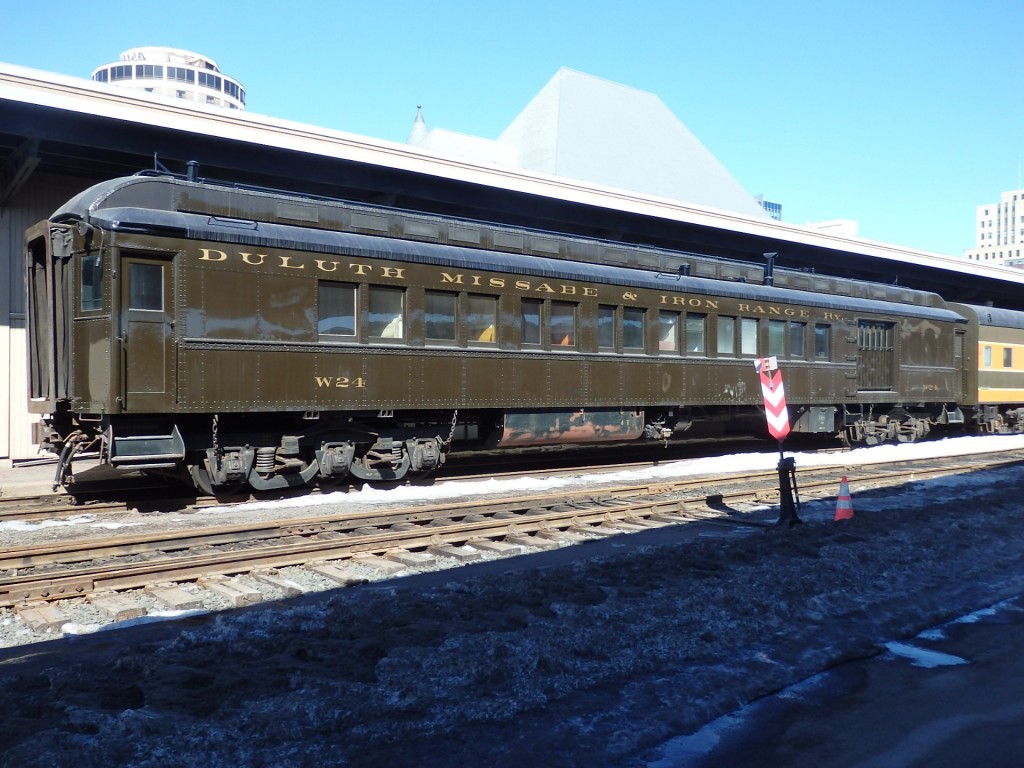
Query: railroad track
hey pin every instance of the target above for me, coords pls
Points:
(170, 567)
(63, 506)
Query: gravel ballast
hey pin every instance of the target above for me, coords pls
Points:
(594, 657)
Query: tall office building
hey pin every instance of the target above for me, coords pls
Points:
(999, 231)
(174, 73)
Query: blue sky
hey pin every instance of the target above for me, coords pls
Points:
(901, 115)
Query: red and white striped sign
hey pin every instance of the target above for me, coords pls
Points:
(774, 393)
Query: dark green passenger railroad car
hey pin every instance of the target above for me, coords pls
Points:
(239, 336)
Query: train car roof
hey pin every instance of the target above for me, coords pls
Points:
(270, 235)
(996, 316)
(162, 191)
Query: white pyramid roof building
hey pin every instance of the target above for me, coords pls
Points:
(590, 129)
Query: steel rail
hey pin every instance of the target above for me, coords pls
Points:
(274, 545)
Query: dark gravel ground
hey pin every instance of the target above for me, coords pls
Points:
(593, 657)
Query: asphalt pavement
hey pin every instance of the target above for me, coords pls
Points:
(951, 697)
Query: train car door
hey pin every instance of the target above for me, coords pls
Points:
(876, 353)
(147, 340)
(959, 363)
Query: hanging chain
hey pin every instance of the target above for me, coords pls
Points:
(451, 433)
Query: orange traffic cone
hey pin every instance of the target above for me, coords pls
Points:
(844, 503)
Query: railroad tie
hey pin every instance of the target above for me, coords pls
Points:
(173, 597)
(463, 554)
(562, 537)
(387, 567)
(42, 618)
(116, 607)
(410, 559)
(273, 578)
(339, 575)
(500, 548)
(232, 590)
(526, 540)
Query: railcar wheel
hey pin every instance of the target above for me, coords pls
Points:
(202, 482)
(201, 479)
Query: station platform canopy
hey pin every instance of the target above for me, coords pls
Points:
(52, 125)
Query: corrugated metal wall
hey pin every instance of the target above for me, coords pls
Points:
(37, 199)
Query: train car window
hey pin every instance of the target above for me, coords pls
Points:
(146, 287)
(668, 331)
(726, 336)
(337, 309)
(633, 331)
(777, 337)
(988, 357)
(748, 336)
(529, 314)
(385, 313)
(797, 339)
(696, 333)
(606, 326)
(439, 315)
(563, 324)
(1007, 357)
(822, 342)
(481, 318)
(92, 282)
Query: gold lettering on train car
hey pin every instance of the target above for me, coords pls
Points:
(689, 301)
(396, 272)
(446, 278)
(629, 296)
(771, 309)
(207, 255)
(286, 262)
(496, 282)
(522, 285)
(545, 288)
(361, 269)
(321, 264)
(246, 257)
(340, 382)
(590, 292)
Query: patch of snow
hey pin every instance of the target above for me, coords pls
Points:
(454, 489)
(684, 749)
(75, 628)
(974, 618)
(27, 525)
(922, 657)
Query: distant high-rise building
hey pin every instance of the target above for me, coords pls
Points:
(772, 209)
(174, 73)
(999, 231)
